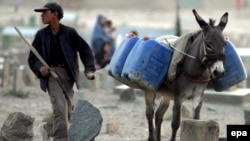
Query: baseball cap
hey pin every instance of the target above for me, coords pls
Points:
(50, 6)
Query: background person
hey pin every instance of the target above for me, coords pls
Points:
(103, 57)
(110, 33)
(99, 36)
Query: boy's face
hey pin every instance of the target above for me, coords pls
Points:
(47, 16)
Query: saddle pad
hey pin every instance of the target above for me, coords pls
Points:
(177, 42)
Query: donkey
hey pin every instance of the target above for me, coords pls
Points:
(207, 46)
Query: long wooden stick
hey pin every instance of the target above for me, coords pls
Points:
(43, 62)
(35, 52)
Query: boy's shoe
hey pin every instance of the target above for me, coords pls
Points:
(43, 132)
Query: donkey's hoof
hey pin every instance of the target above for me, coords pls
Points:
(172, 139)
(151, 139)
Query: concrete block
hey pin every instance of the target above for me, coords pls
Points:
(237, 96)
(198, 130)
(247, 113)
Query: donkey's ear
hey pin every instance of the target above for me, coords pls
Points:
(223, 22)
(200, 20)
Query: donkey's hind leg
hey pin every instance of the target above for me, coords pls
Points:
(149, 100)
(176, 117)
(197, 103)
(159, 116)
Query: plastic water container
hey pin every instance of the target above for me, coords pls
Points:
(147, 64)
(119, 58)
(234, 69)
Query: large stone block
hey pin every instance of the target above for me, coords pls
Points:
(247, 113)
(198, 130)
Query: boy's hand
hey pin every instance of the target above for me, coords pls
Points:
(45, 70)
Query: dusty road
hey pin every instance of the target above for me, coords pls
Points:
(130, 116)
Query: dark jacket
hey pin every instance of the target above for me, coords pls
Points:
(71, 43)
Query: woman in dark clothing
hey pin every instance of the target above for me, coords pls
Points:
(110, 33)
(103, 57)
(98, 36)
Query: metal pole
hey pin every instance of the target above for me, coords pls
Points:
(178, 22)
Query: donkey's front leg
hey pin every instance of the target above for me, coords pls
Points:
(149, 100)
(176, 118)
(197, 104)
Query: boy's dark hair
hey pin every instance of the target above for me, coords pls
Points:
(59, 15)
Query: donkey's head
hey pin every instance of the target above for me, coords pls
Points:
(213, 44)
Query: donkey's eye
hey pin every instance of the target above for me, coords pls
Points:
(209, 47)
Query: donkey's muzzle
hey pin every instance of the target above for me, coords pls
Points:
(217, 70)
(217, 75)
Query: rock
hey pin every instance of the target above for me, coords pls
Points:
(86, 122)
(247, 114)
(198, 130)
(17, 127)
(127, 95)
(222, 139)
(112, 128)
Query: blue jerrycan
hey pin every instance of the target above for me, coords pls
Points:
(117, 62)
(234, 69)
(147, 64)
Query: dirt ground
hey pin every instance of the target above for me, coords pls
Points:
(130, 116)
